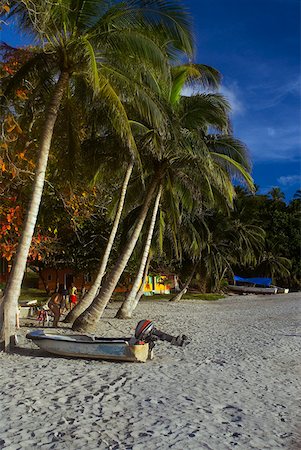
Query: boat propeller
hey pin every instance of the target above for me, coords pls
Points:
(145, 331)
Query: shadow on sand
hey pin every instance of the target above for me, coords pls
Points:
(24, 351)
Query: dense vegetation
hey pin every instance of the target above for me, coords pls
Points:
(108, 168)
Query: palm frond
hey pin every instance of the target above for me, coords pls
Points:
(141, 48)
(237, 169)
(169, 15)
(93, 72)
(143, 101)
(117, 112)
(229, 145)
(198, 76)
(204, 110)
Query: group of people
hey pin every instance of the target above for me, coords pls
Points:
(62, 301)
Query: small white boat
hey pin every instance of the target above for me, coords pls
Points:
(138, 348)
(83, 346)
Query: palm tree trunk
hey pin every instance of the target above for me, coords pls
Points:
(179, 296)
(88, 319)
(13, 288)
(89, 297)
(128, 306)
(141, 290)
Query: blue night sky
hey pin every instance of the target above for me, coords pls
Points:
(255, 44)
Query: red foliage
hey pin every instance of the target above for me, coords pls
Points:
(11, 216)
(11, 219)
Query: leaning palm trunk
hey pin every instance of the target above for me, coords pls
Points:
(13, 288)
(89, 297)
(128, 306)
(141, 290)
(88, 319)
(179, 296)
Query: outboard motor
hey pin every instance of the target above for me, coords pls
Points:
(145, 331)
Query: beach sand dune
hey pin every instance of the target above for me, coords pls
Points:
(236, 385)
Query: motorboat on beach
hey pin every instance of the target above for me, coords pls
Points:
(255, 286)
(252, 289)
(138, 348)
(84, 346)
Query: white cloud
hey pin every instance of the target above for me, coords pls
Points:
(233, 96)
(188, 91)
(269, 95)
(272, 143)
(290, 180)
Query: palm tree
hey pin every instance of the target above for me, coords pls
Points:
(228, 155)
(89, 318)
(145, 274)
(13, 286)
(178, 296)
(233, 242)
(190, 161)
(271, 264)
(89, 297)
(276, 194)
(80, 39)
(131, 301)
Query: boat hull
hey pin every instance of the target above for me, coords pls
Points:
(253, 290)
(81, 346)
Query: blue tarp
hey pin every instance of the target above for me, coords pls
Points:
(260, 281)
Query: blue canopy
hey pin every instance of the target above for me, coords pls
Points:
(260, 281)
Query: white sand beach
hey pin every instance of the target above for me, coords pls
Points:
(236, 385)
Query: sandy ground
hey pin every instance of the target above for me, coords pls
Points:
(237, 385)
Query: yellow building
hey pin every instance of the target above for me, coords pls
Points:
(158, 284)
